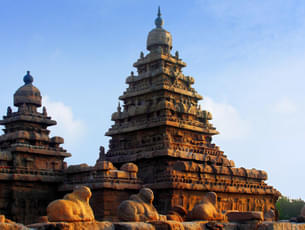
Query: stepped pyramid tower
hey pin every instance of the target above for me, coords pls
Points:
(161, 127)
(31, 163)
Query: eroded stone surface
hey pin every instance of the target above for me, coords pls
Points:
(73, 207)
(95, 225)
(133, 226)
(6, 224)
(194, 225)
(235, 216)
(167, 225)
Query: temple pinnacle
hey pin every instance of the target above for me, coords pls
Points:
(28, 79)
(159, 21)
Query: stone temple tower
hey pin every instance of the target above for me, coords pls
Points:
(162, 129)
(31, 163)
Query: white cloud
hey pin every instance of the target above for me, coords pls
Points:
(68, 127)
(285, 106)
(227, 120)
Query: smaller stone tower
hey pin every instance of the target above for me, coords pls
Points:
(31, 162)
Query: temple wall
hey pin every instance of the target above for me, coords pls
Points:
(5, 198)
(27, 201)
(167, 198)
(105, 202)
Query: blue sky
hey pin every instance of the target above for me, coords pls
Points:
(247, 58)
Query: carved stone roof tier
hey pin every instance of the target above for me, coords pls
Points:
(167, 57)
(181, 124)
(17, 116)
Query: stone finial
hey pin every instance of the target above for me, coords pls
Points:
(44, 111)
(119, 107)
(141, 55)
(102, 153)
(159, 21)
(139, 207)
(177, 55)
(132, 73)
(28, 79)
(9, 111)
(74, 207)
(207, 115)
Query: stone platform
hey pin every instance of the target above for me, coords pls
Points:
(159, 225)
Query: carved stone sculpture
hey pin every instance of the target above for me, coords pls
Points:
(206, 209)
(73, 207)
(139, 207)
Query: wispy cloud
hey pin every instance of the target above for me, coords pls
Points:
(285, 106)
(227, 120)
(68, 127)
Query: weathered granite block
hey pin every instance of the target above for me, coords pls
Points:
(245, 216)
(194, 225)
(133, 226)
(95, 225)
(167, 225)
(7, 226)
(280, 226)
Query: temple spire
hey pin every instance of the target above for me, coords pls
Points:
(159, 21)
